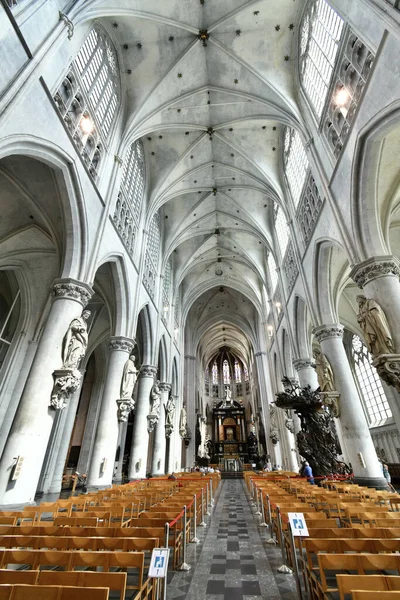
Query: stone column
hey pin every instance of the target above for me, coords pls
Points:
(63, 441)
(101, 469)
(33, 421)
(160, 441)
(355, 432)
(140, 438)
(190, 390)
(379, 278)
(174, 434)
(306, 373)
(122, 431)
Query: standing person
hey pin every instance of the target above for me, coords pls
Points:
(307, 472)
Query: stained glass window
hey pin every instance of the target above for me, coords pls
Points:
(225, 370)
(238, 372)
(246, 373)
(215, 374)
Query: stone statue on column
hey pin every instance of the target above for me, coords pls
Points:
(324, 372)
(183, 423)
(126, 402)
(202, 449)
(375, 328)
(273, 424)
(67, 379)
(169, 416)
(155, 405)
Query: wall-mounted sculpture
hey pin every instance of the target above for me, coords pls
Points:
(169, 416)
(317, 441)
(126, 402)
(67, 379)
(155, 405)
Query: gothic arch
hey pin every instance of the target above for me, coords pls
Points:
(121, 296)
(331, 268)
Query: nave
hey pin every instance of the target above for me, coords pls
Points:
(233, 560)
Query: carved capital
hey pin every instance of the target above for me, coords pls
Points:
(148, 371)
(71, 289)
(324, 332)
(165, 387)
(257, 354)
(377, 266)
(121, 343)
(189, 357)
(388, 367)
(302, 363)
(66, 382)
(125, 407)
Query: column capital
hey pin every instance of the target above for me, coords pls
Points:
(190, 357)
(374, 267)
(332, 330)
(165, 387)
(121, 343)
(257, 354)
(148, 371)
(302, 363)
(72, 289)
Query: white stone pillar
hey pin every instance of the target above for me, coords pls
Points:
(101, 469)
(63, 440)
(122, 431)
(355, 432)
(172, 441)
(140, 437)
(190, 393)
(306, 373)
(160, 441)
(379, 278)
(33, 421)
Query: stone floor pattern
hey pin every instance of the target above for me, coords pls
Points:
(232, 561)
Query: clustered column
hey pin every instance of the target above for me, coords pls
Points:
(33, 421)
(356, 436)
(140, 437)
(160, 441)
(102, 463)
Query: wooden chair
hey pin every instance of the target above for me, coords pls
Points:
(348, 583)
(368, 595)
(113, 581)
(19, 576)
(27, 592)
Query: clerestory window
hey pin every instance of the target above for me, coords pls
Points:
(320, 36)
(296, 165)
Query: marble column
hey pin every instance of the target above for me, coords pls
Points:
(379, 278)
(140, 437)
(33, 421)
(160, 441)
(172, 442)
(306, 373)
(122, 431)
(101, 469)
(356, 436)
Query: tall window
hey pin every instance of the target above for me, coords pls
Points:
(215, 373)
(272, 271)
(129, 201)
(88, 97)
(282, 230)
(321, 31)
(246, 373)
(238, 372)
(10, 307)
(373, 394)
(152, 255)
(166, 292)
(295, 163)
(225, 371)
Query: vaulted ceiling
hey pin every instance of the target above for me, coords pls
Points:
(209, 86)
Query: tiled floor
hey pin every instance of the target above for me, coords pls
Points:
(233, 561)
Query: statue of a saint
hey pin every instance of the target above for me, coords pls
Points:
(324, 372)
(155, 399)
(75, 341)
(170, 412)
(129, 377)
(183, 422)
(375, 328)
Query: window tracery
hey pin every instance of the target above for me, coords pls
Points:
(296, 163)
(321, 32)
(166, 293)
(152, 255)
(226, 372)
(238, 372)
(88, 97)
(10, 306)
(373, 394)
(130, 196)
(309, 208)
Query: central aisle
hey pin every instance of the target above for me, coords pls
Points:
(233, 564)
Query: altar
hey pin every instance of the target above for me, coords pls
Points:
(229, 434)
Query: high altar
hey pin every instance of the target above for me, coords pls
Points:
(229, 432)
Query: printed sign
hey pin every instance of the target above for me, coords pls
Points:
(159, 562)
(298, 524)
